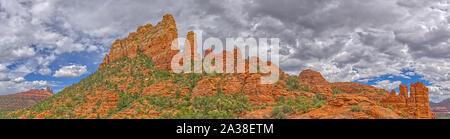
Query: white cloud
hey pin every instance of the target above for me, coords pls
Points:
(33, 34)
(19, 80)
(70, 71)
(410, 73)
(92, 48)
(45, 71)
(364, 80)
(24, 52)
(388, 85)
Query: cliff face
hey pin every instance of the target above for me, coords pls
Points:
(136, 81)
(153, 41)
(24, 99)
(315, 81)
(156, 41)
(415, 106)
(344, 95)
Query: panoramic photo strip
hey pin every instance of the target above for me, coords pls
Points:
(221, 67)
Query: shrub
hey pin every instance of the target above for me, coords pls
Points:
(356, 108)
(125, 99)
(219, 91)
(292, 84)
(299, 104)
(390, 107)
(177, 94)
(303, 105)
(278, 113)
(363, 91)
(335, 91)
(162, 75)
(381, 92)
(288, 109)
(213, 107)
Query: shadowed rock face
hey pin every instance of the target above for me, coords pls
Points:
(24, 99)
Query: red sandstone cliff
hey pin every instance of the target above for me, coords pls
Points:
(153, 41)
(415, 105)
(156, 41)
(315, 81)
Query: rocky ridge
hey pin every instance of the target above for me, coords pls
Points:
(415, 105)
(153, 41)
(127, 83)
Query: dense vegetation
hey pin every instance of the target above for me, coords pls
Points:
(117, 91)
(286, 106)
(127, 78)
(294, 85)
(216, 106)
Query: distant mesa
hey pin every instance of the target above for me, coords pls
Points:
(442, 108)
(24, 99)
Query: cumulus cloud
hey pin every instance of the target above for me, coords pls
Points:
(388, 85)
(410, 73)
(19, 80)
(45, 71)
(70, 71)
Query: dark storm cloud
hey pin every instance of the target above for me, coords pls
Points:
(433, 44)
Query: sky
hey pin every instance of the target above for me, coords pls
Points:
(383, 43)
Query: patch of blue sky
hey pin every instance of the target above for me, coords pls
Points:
(405, 80)
(75, 58)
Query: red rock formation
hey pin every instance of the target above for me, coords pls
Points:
(315, 81)
(153, 41)
(191, 54)
(37, 93)
(24, 99)
(414, 106)
(339, 107)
